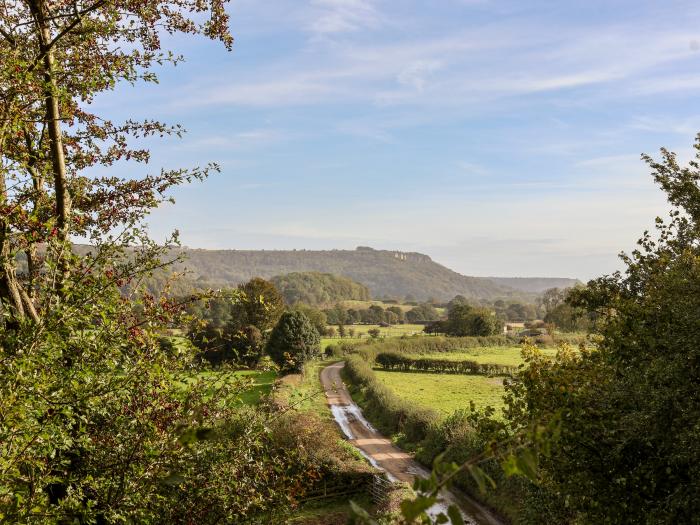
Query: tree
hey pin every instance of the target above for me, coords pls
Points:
(457, 300)
(398, 312)
(232, 327)
(459, 320)
(628, 441)
(463, 320)
(374, 333)
(552, 298)
(261, 305)
(569, 319)
(421, 313)
(315, 288)
(316, 316)
(293, 342)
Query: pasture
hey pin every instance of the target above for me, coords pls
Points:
(445, 392)
(497, 355)
(398, 330)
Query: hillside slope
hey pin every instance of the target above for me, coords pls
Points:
(534, 284)
(385, 273)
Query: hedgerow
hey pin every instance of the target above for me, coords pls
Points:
(384, 409)
(404, 363)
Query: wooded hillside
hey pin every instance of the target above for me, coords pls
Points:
(386, 273)
(316, 288)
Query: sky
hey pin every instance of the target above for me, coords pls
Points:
(502, 138)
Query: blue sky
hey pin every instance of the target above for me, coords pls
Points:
(499, 137)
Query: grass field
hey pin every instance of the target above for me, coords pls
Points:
(390, 331)
(445, 392)
(363, 305)
(496, 355)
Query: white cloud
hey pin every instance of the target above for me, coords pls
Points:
(417, 73)
(342, 16)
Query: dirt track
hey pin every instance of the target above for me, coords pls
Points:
(381, 452)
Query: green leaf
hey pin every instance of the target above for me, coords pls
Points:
(412, 509)
(455, 515)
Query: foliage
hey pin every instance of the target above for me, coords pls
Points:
(464, 320)
(261, 305)
(316, 289)
(610, 435)
(404, 363)
(293, 342)
(422, 312)
(230, 326)
(374, 314)
(94, 426)
(374, 333)
(317, 317)
(628, 450)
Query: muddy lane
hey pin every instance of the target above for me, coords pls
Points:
(381, 453)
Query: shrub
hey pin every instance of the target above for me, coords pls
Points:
(293, 341)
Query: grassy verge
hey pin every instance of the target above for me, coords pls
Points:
(304, 391)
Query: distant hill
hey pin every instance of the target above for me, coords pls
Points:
(535, 284)
(319, 289)
(385, 273)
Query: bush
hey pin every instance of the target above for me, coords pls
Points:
(293, 342)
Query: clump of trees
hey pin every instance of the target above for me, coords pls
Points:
(293, 342)
(464, 320)
(421, 313)
(516, 311)
(231, 327)
(375, 314)
(318, 289)
(561, 313)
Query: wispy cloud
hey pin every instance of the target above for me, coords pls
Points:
(342, 16)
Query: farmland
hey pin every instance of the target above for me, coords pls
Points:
(498, 355)
(360, 330)
(442, 392)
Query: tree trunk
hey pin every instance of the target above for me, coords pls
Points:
(10, 295)
(53, 122)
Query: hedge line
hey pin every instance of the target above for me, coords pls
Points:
(396, 361)
(384, 409)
